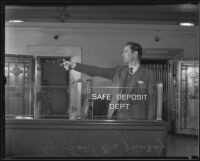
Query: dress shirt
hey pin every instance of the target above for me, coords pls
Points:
(133, 69)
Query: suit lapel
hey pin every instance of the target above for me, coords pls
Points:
(135, 78)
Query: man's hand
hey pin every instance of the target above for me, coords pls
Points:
(68, 65)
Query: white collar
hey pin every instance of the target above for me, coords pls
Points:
(134, 66)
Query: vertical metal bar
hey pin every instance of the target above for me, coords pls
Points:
(79, 84)
(159, 73)
(166, 73)
(154, 69)
(163, 77)
(23, 63)
(163, 71)
(167, 79)
(170, 88)
(159, 101)
(157, 66)
(155, 72)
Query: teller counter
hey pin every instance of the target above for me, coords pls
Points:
(85, 138)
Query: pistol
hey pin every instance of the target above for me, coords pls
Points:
(57, 61)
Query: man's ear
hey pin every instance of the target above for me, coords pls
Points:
(136, 53)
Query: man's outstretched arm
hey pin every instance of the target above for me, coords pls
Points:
(91, 70)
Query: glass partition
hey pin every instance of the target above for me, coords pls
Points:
(97, 103)
(36, 88)
(118, 103)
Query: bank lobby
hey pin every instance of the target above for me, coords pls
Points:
(51, 112)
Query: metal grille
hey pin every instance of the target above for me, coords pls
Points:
(161, 72)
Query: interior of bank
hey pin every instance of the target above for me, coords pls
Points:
(48, 109)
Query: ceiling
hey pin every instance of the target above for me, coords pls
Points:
(143, 14)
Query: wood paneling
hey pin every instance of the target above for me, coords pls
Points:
(100, 138)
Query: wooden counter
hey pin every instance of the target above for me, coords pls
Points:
(85, 138)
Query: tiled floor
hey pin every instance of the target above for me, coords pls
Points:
(180, 145)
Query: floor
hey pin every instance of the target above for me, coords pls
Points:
(180, 145)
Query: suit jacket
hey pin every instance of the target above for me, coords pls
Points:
(140, 83)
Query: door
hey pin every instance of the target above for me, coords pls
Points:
(187, 113)
(163, 72)
(19, 86)
(53, 95)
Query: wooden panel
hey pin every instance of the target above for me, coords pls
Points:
(64, 138)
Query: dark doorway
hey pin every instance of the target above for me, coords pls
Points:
(54, 94)
(162, 69)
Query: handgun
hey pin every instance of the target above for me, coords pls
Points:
(57, 61)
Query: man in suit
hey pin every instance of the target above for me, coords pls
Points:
(132, 79)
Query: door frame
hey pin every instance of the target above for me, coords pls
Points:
(74, 52)
(173, 56)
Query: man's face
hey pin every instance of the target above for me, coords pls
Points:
(128, 55)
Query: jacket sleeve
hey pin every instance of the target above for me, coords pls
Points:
(151, 92)
(95, 71)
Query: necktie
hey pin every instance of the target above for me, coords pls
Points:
(131, 71)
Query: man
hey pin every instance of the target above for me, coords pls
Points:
(134, 79)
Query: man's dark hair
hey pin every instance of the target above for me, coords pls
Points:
(135, 47)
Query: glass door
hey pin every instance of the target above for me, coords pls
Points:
(19, 71)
